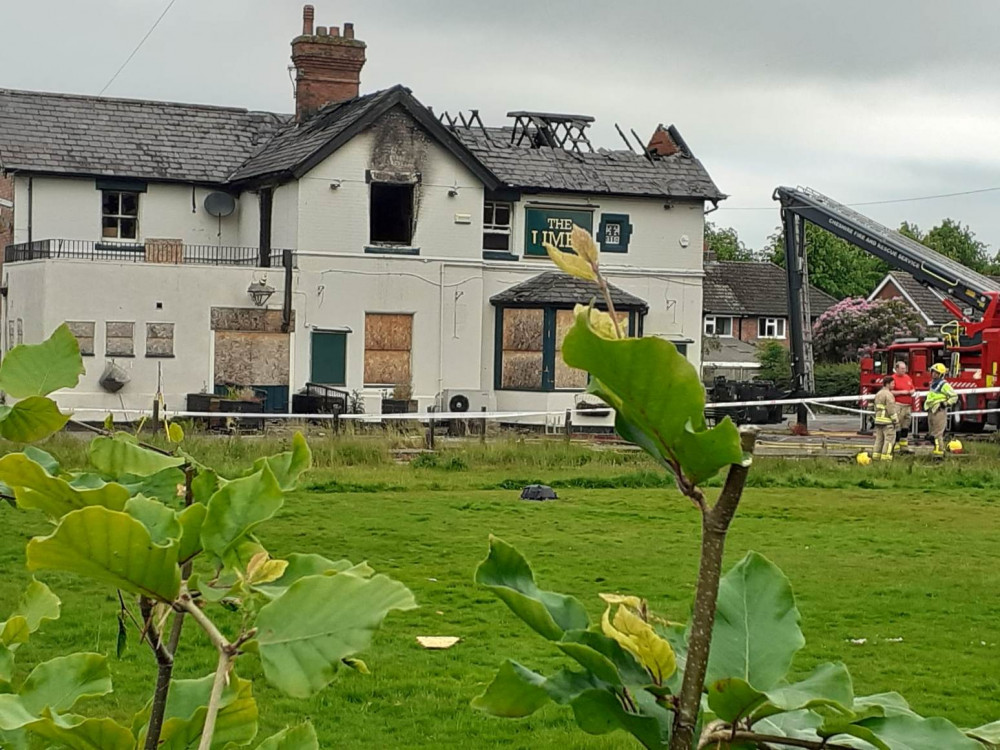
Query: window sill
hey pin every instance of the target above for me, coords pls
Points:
(160, 356)
(623, 251)
(499, 255)
(391, 250)
(119, 356)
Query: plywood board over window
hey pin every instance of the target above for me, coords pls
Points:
(523, 345)
(159, 339)
(251, 358)
(388, 347)
(84, 333)
(119, 338)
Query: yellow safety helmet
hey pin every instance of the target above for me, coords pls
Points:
(955, 446)
(939, 368)
(863, 458)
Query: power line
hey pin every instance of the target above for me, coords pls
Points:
(873, 203)
(137, 47)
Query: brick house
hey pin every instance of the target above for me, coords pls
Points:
(744, 303)
(925, 301)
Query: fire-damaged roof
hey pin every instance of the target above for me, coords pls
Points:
(557, 289)
(750, 289)
(97, 136)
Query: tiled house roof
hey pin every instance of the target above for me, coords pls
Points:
(749, 289)
(556, 288)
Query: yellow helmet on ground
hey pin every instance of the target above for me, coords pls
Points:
(955, 446)
(863, 458)
(939, 368)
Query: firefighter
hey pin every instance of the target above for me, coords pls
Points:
(886, 421)
(902, 388)
(940, 396)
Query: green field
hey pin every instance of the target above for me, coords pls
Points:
(905, 552)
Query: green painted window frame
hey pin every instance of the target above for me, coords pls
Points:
(548, 346)
(621, 220)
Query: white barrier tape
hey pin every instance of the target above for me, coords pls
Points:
(830, 399)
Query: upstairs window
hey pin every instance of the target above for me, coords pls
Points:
(496, 226)
(119, 215)
(718, 326)
(770, 328)
(391, 214)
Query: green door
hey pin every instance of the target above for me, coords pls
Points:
(329, 358)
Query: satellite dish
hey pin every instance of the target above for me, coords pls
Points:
(220, 204)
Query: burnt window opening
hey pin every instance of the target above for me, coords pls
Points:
(496, 226)
(119, 215)
(391, 213)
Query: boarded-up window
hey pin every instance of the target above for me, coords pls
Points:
(119, 339)
(388, 343)
(159, 339)
(84, 332)
(251, 358)
(523, 344)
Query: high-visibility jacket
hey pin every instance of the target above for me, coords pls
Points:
(902, 386)
(885, 407)
(940, 393)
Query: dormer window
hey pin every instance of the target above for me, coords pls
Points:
(119, 215)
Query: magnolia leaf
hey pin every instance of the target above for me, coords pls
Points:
(916, 733)
(302, 737)
(828, 685)
(13, 713)
(600, 712)
(302, 565)
(570, 263)
(987, 733)
(44, 459)
(582, 242)
(35, 606)
(59, 683)
(186, 709)
(756, 631)
(236, 509)
(508, 575)
(629, 601)
(304, 633)
(191, 520)
(658, 398)
(514, 693)
(117, 456)
(205, 484)
(40, 369)
(358, 665)
(35, 488)
(30, 419)
(77, 733)
(601, 322)
(638, 637)
(165, 486)
(262, 569)
(175, 433)
(159, 520)
(6, 668)
(112, 547)
(604, 657)
(289, 466)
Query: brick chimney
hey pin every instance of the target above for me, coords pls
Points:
(328, 65)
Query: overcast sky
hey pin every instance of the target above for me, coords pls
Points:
(865, 100)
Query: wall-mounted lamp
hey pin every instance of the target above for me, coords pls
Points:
(335, 185)
(260, 291)
(453, 190)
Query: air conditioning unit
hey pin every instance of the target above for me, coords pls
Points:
(464, 400)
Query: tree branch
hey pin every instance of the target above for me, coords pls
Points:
(218, 685)
(714, 527)
(740, 735)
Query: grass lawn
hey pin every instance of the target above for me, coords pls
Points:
(904, 553)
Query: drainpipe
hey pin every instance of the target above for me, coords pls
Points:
(286, 308)
(440, 329)
(30, 178)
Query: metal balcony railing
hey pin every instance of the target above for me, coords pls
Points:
(151, 252)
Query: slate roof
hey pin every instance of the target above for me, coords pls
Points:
(602, 172)
(556, 288)
(747, 289)
(89, 135)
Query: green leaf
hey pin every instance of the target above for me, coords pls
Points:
(35, 488)
(59, 683)
(916, 733)
(78, 733)
(604, 657)
(658, 398)
(302, 565)
(186, 709)
(36, 605)
(191, 520)
(43, 459)
(116, 457)
(508, 575)
(756, 631)
(160, 521)
(988, 733)
(236, 509)
(302, 737)
(514, 693)
(289, 466)
(205, 484)
(112, 547)
(175, 433)
(30, 419)
(40, 369)
(828, 685)
(600, 712)
(6, 665)
(304, 633)
(13, 713)
(163, 485)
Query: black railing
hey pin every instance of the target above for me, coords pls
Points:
(152, 252)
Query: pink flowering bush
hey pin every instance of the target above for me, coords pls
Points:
(854, 325)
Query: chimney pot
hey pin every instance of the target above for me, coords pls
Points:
(348, 30)
(334, 31)
(328, 66)
(321, 31)
(308, 14)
